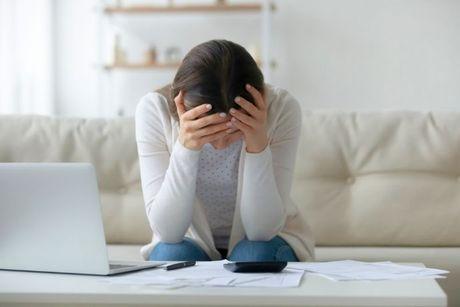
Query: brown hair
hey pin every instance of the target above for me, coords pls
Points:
(214, 72)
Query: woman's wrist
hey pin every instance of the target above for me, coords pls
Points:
(186, 148)
(257, 153)
(186, 153)
(254, 149)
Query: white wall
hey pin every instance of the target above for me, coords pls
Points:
(354, 54)
(371, 54)
(75, 24)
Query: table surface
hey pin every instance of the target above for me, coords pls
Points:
(31, 287)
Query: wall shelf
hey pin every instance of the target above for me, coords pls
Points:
(195, 8)
(108, 13)
(142, 66)
(152, 66)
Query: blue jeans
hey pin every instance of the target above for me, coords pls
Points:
(276, 249)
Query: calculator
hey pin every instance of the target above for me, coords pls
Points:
(255, 266)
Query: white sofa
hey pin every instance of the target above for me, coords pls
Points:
(373, 185)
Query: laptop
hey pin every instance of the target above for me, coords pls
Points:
(51, 221)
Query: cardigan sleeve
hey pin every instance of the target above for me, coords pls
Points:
(268, 175)
(168, 180)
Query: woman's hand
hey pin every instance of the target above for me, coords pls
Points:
(253, 124)
(195, 131)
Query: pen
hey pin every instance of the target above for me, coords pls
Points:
(180, 265)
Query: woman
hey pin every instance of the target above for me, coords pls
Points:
(216, 151)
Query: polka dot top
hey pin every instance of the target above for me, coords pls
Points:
(216, 186)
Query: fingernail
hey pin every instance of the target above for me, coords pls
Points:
(248, 86)
(237, 99)
(229, 124)
(232, 110)
(208, 106)
(222, 114)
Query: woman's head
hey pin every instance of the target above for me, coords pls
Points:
(215, 72)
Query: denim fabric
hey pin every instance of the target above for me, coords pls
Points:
(274, 250)
(187, 250)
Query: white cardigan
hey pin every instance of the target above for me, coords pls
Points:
(263, 206)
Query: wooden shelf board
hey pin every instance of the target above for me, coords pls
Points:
(134, 66)
(183, 8)
(142, 66)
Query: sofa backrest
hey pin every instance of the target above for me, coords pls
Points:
(108, 144)
(380, 178)
(361, 178)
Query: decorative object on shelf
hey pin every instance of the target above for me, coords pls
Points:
(141, 66)
(167, 60)
(255, 53)
(173, 55)
(151, 55)
(186, 8)
(119, 55)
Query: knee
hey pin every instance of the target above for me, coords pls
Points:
(247, 250)
(186, 250)
(275, 249)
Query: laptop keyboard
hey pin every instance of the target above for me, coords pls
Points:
(120, 266)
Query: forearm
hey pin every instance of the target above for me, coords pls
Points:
(262, 210)
(170, 210)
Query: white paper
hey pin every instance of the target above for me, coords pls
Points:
(398, 268)
(208, 273)
(288, 278)
(344, 270)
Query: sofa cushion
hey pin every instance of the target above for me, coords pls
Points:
(361, 178)
(380, 178)
(108, 144)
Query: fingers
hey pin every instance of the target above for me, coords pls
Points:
(258, 98)
(196, 111)
(240, 125)
(208, 120)
(179, 100)
(211, 129)
(214, 136)
(247, 106)
(248, 120)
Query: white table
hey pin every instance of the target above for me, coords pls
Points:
(47, 288)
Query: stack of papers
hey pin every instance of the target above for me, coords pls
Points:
(208, 273)
(213, 274)
(356, 270)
